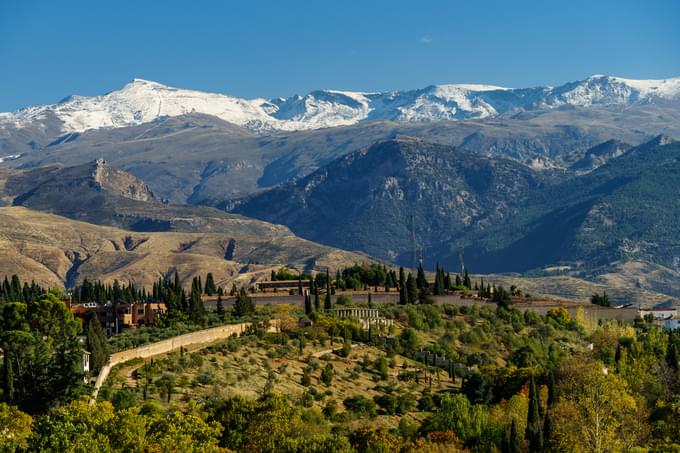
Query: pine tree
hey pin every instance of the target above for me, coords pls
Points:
(534, 431)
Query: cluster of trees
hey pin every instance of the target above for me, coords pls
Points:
(13, 290)
(115, 292)
(42, 356)
(601, 300)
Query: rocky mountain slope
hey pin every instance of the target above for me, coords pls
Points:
(100, 194)
(366, 199)
(504, 217)
(201, 159)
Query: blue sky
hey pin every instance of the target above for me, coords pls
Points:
(50, 49)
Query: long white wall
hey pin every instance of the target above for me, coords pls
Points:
(171, 344)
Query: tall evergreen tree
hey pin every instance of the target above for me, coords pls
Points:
(308, 304)
(514, 444)
(370, 302)
(534, 430)
(403, 292)
(421, 282)
(243, 305)
(8, 378)
(466, 280)
(672, 354)
(196, 308)
(411, 289)
(327, 305)
(317, 305)
(97, 345)
(210, 287)
(219, 309)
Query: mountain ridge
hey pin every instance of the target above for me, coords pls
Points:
(142, 101)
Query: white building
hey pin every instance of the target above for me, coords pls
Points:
(671, 324)
(658, 313)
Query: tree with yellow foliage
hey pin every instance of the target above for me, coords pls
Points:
(595, 411)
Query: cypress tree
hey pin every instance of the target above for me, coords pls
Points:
(97, 345)
(196, 310)
(534, 431)
(672, 353)
(210, 287)
(317, 305)
(308, 304)
(411, 289)
(514, 444)
(220, 308)
(403, 294)
(243, 304)
(551, 388)
(8, 381)
(421, 282)
(370, 302)
(466, 280)
(327, 305)
(547, 432)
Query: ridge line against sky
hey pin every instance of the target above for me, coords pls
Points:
(49, 50)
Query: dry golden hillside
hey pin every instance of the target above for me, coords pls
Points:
(54, 250)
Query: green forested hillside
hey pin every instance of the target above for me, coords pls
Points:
(502, 216)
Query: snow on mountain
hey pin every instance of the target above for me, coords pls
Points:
(141, 101)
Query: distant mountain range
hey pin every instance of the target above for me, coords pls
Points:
(501, 215)
(578, 178)
(142, 101)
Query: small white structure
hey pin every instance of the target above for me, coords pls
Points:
(86, 361)
(367, 316)
(658, 313)
(671, 324)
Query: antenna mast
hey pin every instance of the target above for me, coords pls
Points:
(413, 241)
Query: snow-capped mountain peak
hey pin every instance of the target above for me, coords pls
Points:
(141, 101)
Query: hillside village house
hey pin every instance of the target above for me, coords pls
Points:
(127, 315)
